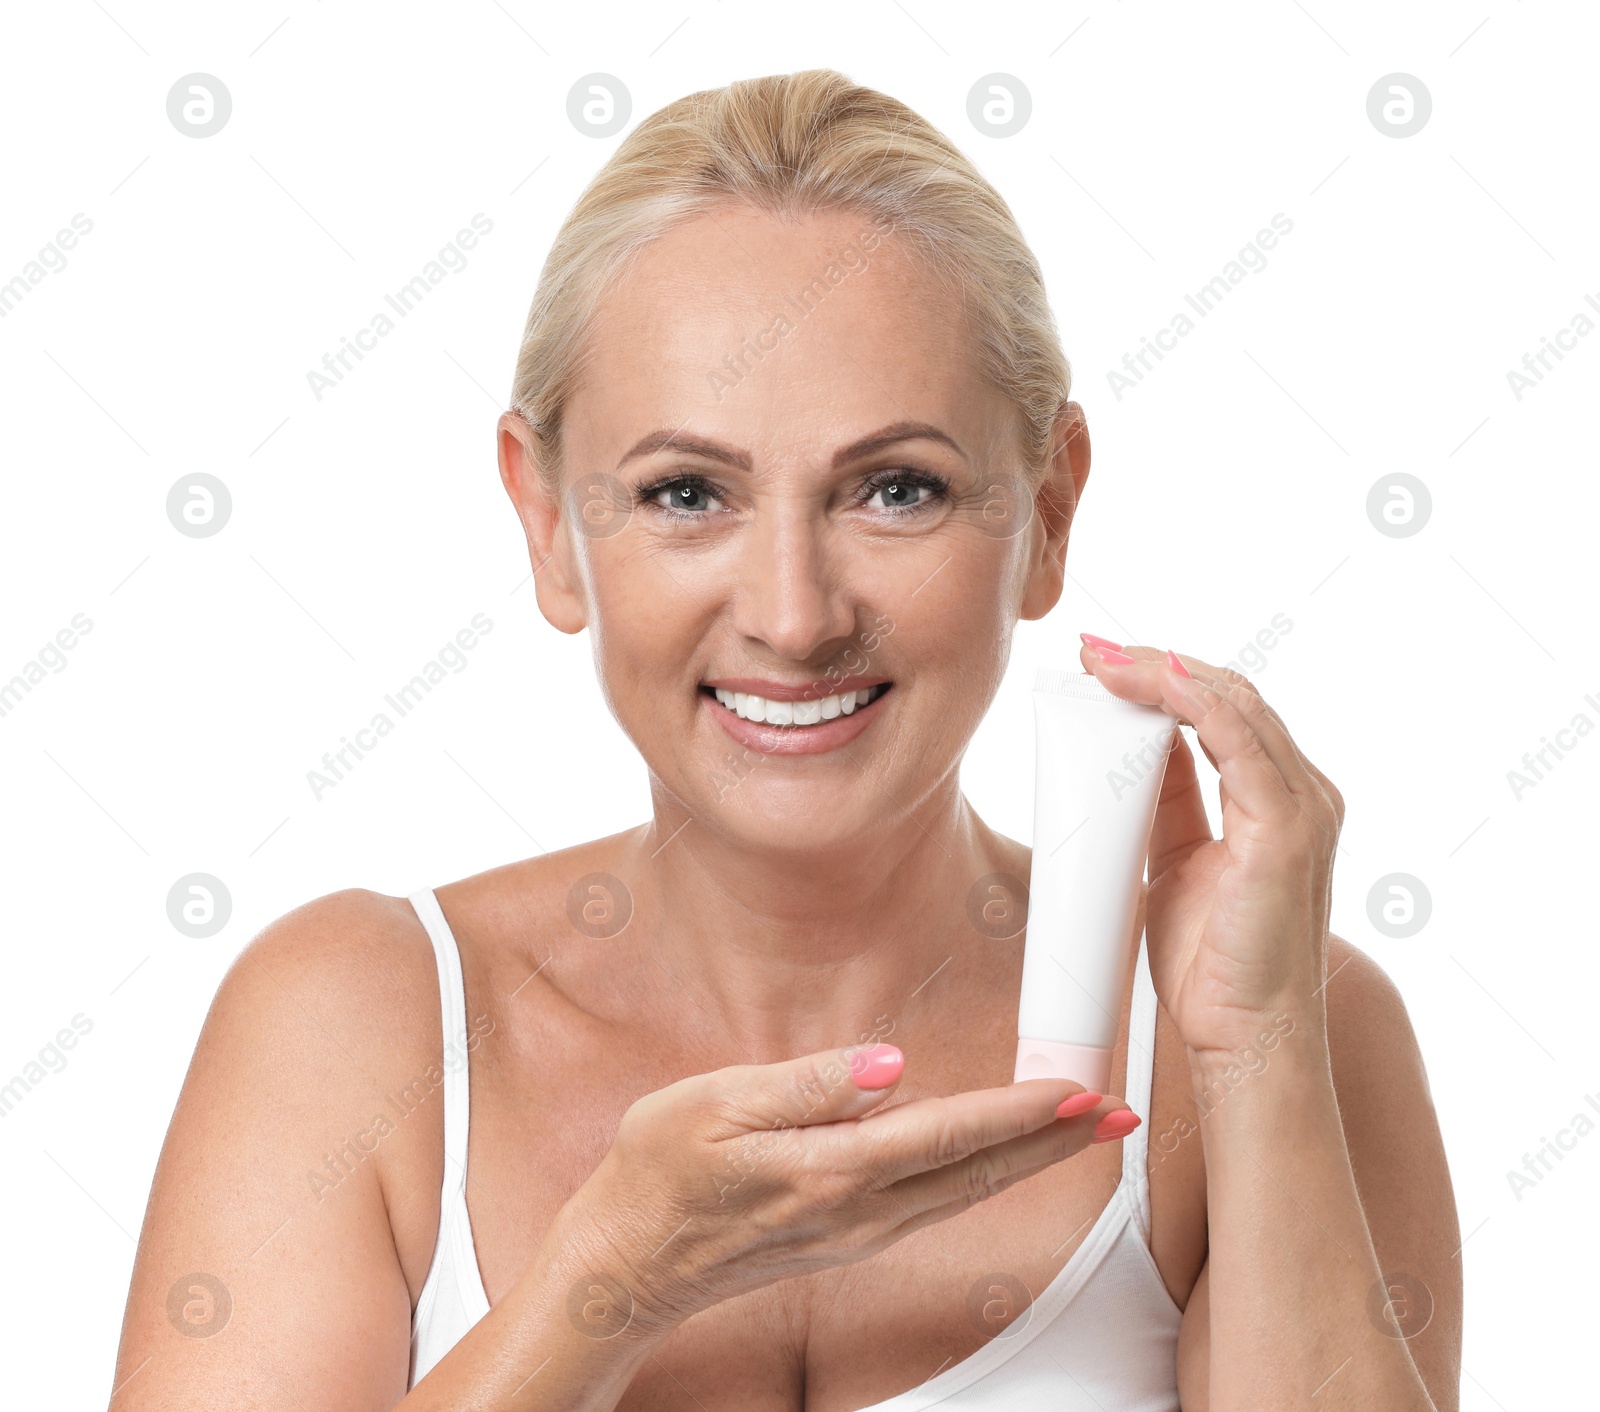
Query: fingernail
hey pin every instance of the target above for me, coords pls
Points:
(1110, 654)
(1115, 1125)
(1093, 640)
(877, 1067)
(1175, 664)
(1078, 1103)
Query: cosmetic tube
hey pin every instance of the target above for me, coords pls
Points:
(1098, 767)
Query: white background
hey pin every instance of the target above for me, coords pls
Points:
(367, 528)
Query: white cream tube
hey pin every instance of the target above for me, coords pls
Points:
(1097, 775)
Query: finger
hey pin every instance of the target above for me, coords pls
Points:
(1320, 802)
(1222, 789)
(1181, 824)
(1275, 734)
(899, 1142)
(1255, 782)
(1263, 718)
(1238, 690)
(914, 1220)
(995, 1167)
(825, 1087)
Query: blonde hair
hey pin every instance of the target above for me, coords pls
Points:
(790, 145)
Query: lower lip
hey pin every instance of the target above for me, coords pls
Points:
(796, 740)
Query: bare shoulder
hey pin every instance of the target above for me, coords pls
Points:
(355, 956)
(1369, 1029)
(338, 1001)
(289, 1175)
(1397, 1155)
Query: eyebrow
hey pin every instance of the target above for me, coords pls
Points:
(665, 439)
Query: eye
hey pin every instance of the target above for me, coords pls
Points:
(900, 494)
(904, 489)
(681, 495)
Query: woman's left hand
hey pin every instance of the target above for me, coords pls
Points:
(1237, 927)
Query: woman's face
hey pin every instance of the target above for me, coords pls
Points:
(785, 477)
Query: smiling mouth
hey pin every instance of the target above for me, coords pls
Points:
(795, 714)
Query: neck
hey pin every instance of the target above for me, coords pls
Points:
(780, 952)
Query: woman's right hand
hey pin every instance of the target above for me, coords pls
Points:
(724, 1182)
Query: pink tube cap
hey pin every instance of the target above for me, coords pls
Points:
(1085, 1064)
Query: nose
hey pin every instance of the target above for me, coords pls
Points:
(793, 595)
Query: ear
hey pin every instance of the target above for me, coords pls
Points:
(1054, 506)
(555, 578)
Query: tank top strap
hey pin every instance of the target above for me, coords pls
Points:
(1138, 1086)
(453, 1025)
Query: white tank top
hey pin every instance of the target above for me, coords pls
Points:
(1102, 1334)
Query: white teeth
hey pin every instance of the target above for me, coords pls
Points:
(792, 713)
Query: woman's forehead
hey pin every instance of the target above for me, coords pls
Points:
(745, 322)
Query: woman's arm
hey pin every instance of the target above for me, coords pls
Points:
(268, 1272)
(265, 1275)
(1303, 1296)
(1334, 1276)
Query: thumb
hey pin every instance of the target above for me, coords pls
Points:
(824, 1087)
(1180, 824)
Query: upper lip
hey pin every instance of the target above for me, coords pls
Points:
(786, 691)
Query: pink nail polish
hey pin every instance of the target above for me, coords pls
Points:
(1175, 664)
(877, 1067)
(1115, 1125)
(1093, 640)
(1107, 654)
(1078, 1103)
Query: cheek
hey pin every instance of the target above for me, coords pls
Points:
(958, 624)
(971, 597)
(640, 612)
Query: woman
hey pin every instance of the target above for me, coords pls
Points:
(792, 440)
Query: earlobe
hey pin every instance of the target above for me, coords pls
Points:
(549, 549)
